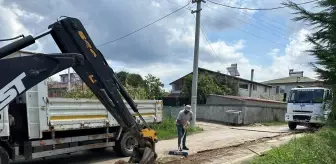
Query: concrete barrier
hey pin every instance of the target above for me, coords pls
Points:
(252, 110)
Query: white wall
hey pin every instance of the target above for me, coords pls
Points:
(260, 90)
(243, 92)
(288, 87)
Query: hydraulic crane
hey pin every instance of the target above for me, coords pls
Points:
(78, 52)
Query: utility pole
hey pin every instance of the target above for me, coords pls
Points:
(251, 85)
(195, 68)
(69, 84)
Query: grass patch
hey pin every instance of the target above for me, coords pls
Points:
(312, 148)
(167, 129)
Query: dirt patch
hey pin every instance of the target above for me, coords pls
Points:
(207, 156)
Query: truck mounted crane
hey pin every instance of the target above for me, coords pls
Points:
(78, 52)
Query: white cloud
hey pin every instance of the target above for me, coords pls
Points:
(295, 57)
(12, 26)
(165, 49)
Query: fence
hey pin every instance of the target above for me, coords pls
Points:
(251, 110)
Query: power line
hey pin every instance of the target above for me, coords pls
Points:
(250, 33)
(8, 39)
(279, 29)
(207, 40)
(239, 29)
(144, 26)
(246, 8)
(273, 20)
(260, 28)
(205, 37)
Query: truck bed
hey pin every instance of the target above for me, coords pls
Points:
(69, 113)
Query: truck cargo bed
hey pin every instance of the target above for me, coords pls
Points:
(68, 113)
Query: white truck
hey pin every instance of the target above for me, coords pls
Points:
(35, 126)
(308, 106)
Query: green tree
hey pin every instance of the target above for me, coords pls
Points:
(323, 39)
(135, 85)
(80, 93)
(132, 79)
(154, 87)
(206, 85)
(135, 80)
(122, 76)
(137, 93)
(228, 84)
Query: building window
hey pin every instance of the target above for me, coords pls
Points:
(64, 79)
(173, 87)
(254, 87)
(277, 89)
(243, 86)
(265, 90)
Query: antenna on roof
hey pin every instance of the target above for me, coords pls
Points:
(233, 71)
(295, 73)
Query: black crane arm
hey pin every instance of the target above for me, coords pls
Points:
(71, 37)
(22, 73)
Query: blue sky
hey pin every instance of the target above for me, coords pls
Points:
(165, 49)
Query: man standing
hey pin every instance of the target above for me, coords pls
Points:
(182, 121)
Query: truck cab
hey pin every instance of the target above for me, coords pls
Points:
(308, 106)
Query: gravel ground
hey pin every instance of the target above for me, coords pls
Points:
(236, 154)
(213, 142)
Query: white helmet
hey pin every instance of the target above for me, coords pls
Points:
(187, 107)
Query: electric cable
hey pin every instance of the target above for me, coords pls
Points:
(246, 8)
(144, 26)
(250, 33)
(237, 28)
(259, 28)
(207, 40)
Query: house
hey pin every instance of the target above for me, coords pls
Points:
(243, 85)
(294, 79)
(59, 89)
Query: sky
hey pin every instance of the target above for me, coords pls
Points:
(269, 42)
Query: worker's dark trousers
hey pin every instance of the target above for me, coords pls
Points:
(180, 132)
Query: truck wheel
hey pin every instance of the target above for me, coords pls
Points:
(292, 125)
(124, 146)
(4, 158)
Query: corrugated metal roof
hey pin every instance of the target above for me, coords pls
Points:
(292, 79)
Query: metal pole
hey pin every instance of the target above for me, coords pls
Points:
(69, 86)
(251, 85)
(195, 69)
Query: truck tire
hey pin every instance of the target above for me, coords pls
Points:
(124, 146)
(292, 125)
(4, 158)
